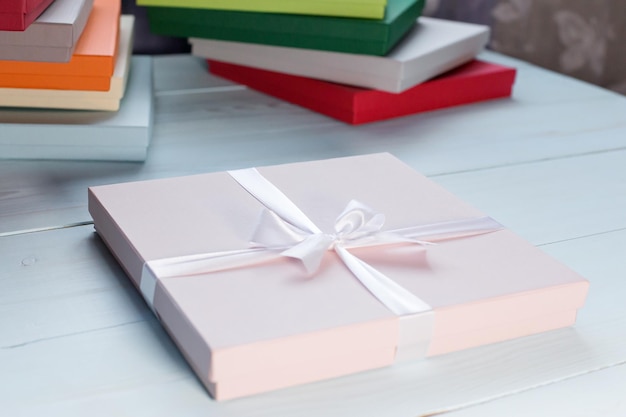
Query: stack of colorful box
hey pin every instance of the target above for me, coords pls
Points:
(358, 61)
(73, 55)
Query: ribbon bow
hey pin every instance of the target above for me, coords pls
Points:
(284, 230)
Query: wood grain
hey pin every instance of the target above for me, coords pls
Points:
(550, 116)
(76, 338)
(79, 337)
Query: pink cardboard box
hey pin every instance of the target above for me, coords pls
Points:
(253, 317)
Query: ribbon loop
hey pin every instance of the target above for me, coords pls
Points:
(272, 231)
(311, 250)
(357, 221)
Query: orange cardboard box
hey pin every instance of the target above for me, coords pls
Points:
(91, 66)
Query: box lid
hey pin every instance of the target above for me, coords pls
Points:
(20, 6)
(374, 9)
(432, 47)
(359, 36)
(17, 15)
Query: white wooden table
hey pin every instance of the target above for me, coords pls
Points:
(76, 339)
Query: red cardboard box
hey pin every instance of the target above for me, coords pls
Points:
(19, 14)
(473, 82)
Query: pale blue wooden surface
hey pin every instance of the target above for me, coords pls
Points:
(76, 339)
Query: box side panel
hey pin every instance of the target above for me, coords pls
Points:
(466, 325)
(502, 333)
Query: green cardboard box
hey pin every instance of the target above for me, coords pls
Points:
(359, 36)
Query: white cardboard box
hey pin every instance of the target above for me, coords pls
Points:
(432, 47)
(50, 38)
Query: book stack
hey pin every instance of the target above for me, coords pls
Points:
(66, 84)
(358, 61)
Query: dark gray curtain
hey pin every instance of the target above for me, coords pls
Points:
(581, 38)
(149, 43)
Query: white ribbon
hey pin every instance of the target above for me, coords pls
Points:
(283, 230)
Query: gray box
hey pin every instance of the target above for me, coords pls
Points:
(52, 37)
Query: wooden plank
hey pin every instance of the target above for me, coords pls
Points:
(78, 338)
(59, 283)
(598, 394)
(245, 127)
(178, 74)
(553, 200)
(549, 117)
(545, 201)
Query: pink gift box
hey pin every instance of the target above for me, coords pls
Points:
(267, 323)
